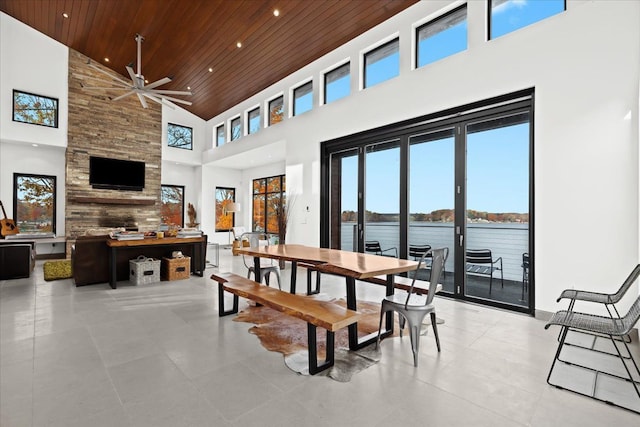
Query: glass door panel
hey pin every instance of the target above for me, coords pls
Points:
(497, 209)
(344, 201)
(382, 196)
(432, 197)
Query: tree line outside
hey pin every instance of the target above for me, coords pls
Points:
(439, 215)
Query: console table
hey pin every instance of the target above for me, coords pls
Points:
(197, 263)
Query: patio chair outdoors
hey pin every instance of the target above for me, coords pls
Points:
(412, 307)
(267, 266)
(525, 273)
(416, 251)
(374, 247)
(480, 261)
(606, 326)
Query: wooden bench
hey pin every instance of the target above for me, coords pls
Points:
(324, 314)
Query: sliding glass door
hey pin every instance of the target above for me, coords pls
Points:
(431, 196)
(461, 181)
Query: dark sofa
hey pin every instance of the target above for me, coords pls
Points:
(17, 259)
(90, 258)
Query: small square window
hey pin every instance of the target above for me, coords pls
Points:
(35, 109)
(236, 128)
(253, 119)
(441, 37)
(302, 98)
(276, 110)
(337, 83)
(179, 136)
(220, 140)
(382, 63)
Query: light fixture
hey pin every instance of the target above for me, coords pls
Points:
(211, 70)
(231, 208)
(188, 87)
(276, 12)
(65, 15)
(106, 59)
(239, 44)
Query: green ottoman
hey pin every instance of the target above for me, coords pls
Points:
(60, 269)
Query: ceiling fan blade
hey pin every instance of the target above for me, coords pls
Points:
(142, 100)
(170, 92)
(123, 96)
(105, 88)
(158, 83)
(133, 76)
(179, 101)
(109, 75)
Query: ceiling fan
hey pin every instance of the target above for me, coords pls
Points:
(137, 84)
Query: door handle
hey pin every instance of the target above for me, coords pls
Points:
(461, 238)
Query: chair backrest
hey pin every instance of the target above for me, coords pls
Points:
(631, 318)
(416, 251)
(255, 239)
(238, 231)
(437, 267)
(372, 246)
(626, 285)
(479, 256)
(525, 260)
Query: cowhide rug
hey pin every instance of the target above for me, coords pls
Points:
(288, 335)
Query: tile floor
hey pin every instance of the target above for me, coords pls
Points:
(159, 355)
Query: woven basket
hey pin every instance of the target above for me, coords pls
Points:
(176, 268)
(144, 270)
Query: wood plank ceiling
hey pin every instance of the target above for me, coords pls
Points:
(184, 38)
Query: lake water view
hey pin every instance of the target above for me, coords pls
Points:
(506, 240)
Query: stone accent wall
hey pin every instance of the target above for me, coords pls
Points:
(99, 126)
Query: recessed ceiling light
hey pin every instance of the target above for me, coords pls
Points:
(276, 12)
(239, 44)
(65, 15)
(211, 70)
(106, 59)
(146, 81)
(188, 87)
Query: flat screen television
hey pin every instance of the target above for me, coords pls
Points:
(116, 174)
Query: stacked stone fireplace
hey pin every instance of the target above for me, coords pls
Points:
(99, 126)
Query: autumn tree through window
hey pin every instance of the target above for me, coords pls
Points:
(34, 203)
(269, 196)
(35, 109)
(172, 205)
(225, 221)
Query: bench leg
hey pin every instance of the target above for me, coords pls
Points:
(314, 368)
(221, 310)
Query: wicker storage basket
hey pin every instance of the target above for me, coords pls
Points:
(144, 270)
(176, 268)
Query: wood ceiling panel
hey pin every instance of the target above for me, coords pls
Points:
(183, 38)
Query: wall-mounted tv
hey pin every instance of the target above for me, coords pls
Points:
(116, 174)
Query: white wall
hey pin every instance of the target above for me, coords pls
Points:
(584, 65)
(33, 63)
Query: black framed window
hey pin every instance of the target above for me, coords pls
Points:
(337, 83)
(172, 205)
(276, 110)
(34, 202)
(441, 37)
(236, 128)
(506, 16)
(225, 216)
(35, 109)
(382, 63)
(269, 195)
(253, 120)
(220, 139)
(179, 136)
(303, 98)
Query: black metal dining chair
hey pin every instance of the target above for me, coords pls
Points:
(373, 246)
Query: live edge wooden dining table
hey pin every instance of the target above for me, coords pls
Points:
(351, 265)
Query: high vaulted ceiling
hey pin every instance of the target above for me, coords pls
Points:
(186, 38)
